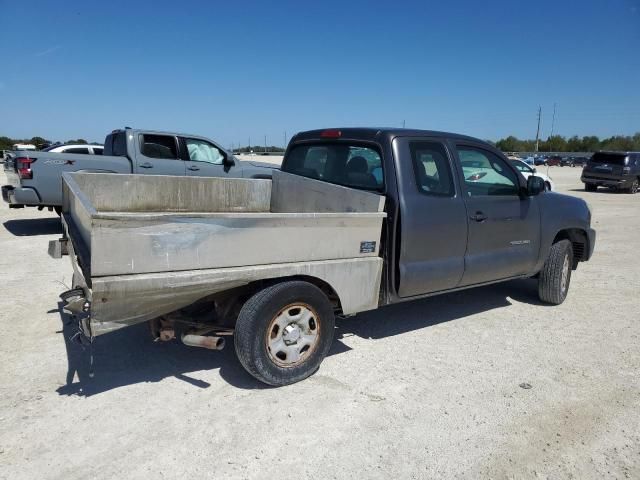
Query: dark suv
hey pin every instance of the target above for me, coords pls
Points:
(619, 170)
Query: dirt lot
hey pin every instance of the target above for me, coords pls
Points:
(428, 389)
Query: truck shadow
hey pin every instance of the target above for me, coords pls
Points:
(414, 315)
(128, 356)
(34, 226)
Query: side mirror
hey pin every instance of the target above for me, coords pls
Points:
(535, 186)
(535, 170)
(229, 160)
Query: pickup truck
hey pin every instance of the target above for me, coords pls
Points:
(357, 219)
(35, 177)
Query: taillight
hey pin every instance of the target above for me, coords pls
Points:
(23, 167)
(333, 133)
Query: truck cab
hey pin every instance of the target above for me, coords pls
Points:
(459, 214)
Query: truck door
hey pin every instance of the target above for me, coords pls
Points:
(433, 226)
(204, 159)
(504, 228)
(158, 155)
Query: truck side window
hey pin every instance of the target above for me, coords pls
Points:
(485, 173)
(201, 151)
(83, 151)
(432, 168)
(158, 146)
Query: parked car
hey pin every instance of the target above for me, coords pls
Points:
(358, 218)
(554, 161)
(541, 160)
(81, 149)
(578, 161)
(23, 146)
(35, 178)
(527, 171)
(618, 170)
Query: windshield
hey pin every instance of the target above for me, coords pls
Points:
(347, 164)
(523, 167)
(609, 158)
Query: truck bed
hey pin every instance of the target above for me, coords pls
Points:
(152, 244)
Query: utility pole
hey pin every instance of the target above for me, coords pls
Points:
(265, 144)
(538, 131)
(402, 123)
(553, 119)
(249, 147)
(285, 139)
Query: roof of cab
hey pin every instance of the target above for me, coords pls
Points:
(371, 133)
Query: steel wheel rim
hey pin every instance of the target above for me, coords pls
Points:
(293, 335)
(565, 274)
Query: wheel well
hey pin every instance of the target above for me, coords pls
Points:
(235, 298)
(579, 242)
(327, 289)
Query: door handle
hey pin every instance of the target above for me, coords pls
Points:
(478, 217)
(146, 165)
(193, 168)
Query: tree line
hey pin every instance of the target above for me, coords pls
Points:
(258, 149)
(558, 143)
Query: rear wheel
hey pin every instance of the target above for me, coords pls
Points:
(634, 186)
(284, 332)
(590, 187)
(555, 276)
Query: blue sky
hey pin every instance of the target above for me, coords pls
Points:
(234, 70)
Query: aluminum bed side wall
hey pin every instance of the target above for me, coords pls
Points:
(124, 300)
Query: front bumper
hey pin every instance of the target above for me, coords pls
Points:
(622, 182)
(20, 195)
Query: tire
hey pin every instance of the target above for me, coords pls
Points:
(547, 187)
(263, 324)
(58, 210)
(590, 187)
(555, 276)
(633, 189)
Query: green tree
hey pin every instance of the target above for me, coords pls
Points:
(38, 141)
(509, 144)
(574, 144)
(617, 143)
(555, 143)
(590, 143)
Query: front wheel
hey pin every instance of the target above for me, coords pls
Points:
(590, 187)
(284, 332)
(634, 187)
(555, 276)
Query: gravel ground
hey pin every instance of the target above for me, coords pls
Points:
(428, 389)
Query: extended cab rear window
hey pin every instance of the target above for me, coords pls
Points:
(347, 164)
(609, 158)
